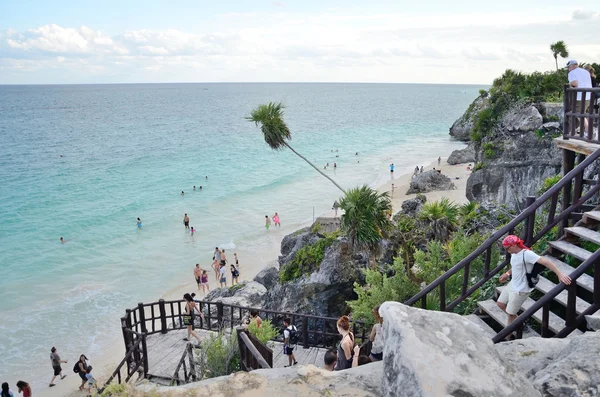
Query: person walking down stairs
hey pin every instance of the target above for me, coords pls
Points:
(524, 269)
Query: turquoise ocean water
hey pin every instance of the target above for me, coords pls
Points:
(129, 150)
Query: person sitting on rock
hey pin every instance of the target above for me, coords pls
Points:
(330, 359)
(518, 290)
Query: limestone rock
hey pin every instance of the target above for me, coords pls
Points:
(463, 127)
(531, 355)
(593, 322)
(520, 171)
(575, 372)
(249, 294)
(295, 241)
(462, 156)
(268, 277)
(552, 126)
(552, 111)
(522, 119)
(430, 353)
(413, 206)
(305, 381)
(430, 181)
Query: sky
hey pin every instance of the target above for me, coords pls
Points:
(383, 41)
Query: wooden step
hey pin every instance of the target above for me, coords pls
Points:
(545, 285)
(491, 309)
(475, 319)
(555, 323)
(584, 233)
(594, 215)
(584, 281)
(570, 249)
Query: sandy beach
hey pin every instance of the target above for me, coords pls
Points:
(252, 262)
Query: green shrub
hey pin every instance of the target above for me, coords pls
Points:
(549, 182)
(307, 259)
(489, 150)
(380, 288)
(316, 228)
(219, 355)
(265, 332)
(478, 166)
(483, 93)
(552, 118)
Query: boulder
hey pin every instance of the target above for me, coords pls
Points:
(462, 156)
(521, 118)
(430, 353)
(551, 111)
(295, 241)
(593, 322)
(575, 371)
(413, 206)
(430, 181)
(305, 381)
(531, 355)
(249, 294)
(268, 277)
(552, 126)
(463, 127)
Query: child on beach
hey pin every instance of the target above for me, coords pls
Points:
(91, 380)
(276, 220)
(267, 222)
(234, 275)
(192, 230)
(139, 223)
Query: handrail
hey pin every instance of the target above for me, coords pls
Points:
(186, 353)
(249, 346)
(565, 181)
(576, 114)
(548, 297)
(135, 348)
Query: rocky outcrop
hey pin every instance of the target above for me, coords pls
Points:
(430, 181)
(551, 111)
(521, 118)
(430, 353)
(462, 156)
(305, 381)
(268, 277)
(463, 127)
(413, 206)
(249, 294)
(295, 241)
(526, 161)
(593, 322)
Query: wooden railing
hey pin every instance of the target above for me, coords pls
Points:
(135, 361)
(253, 353)
(186, 368)
(581, 114)
(573, 197)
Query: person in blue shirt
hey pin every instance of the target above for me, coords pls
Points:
(392, 167)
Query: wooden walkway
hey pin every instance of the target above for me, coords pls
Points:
(165, 351)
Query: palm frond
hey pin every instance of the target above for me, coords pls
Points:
(270, 119)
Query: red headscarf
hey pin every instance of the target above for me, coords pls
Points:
(511, 240)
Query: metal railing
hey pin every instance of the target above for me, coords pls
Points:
(572, 188)
(581, 117)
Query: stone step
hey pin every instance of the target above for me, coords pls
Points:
(584, 233)
(594, 215)
(545, 285)
(570, 249)
(490, 308)
(584, 281)
(555, 323)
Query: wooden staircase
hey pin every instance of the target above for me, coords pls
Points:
(569, 244)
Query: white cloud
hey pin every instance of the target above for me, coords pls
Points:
(330, 46)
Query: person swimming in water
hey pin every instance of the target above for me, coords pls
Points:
(62, 240)
(194, 187)
(139, 223)
(192, 230)
(182, 193)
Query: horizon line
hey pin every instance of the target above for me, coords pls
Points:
(240, 82)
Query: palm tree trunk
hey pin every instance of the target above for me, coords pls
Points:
(315, 167)
(556, 60)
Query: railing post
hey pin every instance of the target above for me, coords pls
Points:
(163, 316)
(529, 222)
(220, 315)
(192, 363)
(305, 332)
(568, 164)
(545, 320)
(488, 260)
(424, 302)
(565, 111)
(142, 317)
(443, 296)
(126, 335)
(145, 353)
(571, 315)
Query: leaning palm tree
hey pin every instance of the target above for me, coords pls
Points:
(365, 220)
(441, 217)
(559, 48)
(277, 133)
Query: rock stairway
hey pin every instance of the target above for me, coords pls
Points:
(570, 244)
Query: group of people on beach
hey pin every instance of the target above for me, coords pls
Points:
(219, 266)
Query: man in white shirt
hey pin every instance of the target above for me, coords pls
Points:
(580, 78)
(521, 262)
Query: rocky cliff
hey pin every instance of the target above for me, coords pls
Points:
(515, 157)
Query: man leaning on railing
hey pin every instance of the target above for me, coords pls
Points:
(580, 78)
(524, 274)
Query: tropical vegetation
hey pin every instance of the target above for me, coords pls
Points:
(559, 49)
(276, 132)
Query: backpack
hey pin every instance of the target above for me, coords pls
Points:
(533, 277)
(294, 335)
(76, 367)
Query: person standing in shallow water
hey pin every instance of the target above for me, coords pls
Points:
(276, 220)
(267, 222)
(198, 275)
(139, 223)
(186, 221)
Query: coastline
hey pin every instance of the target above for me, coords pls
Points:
(252, 262)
